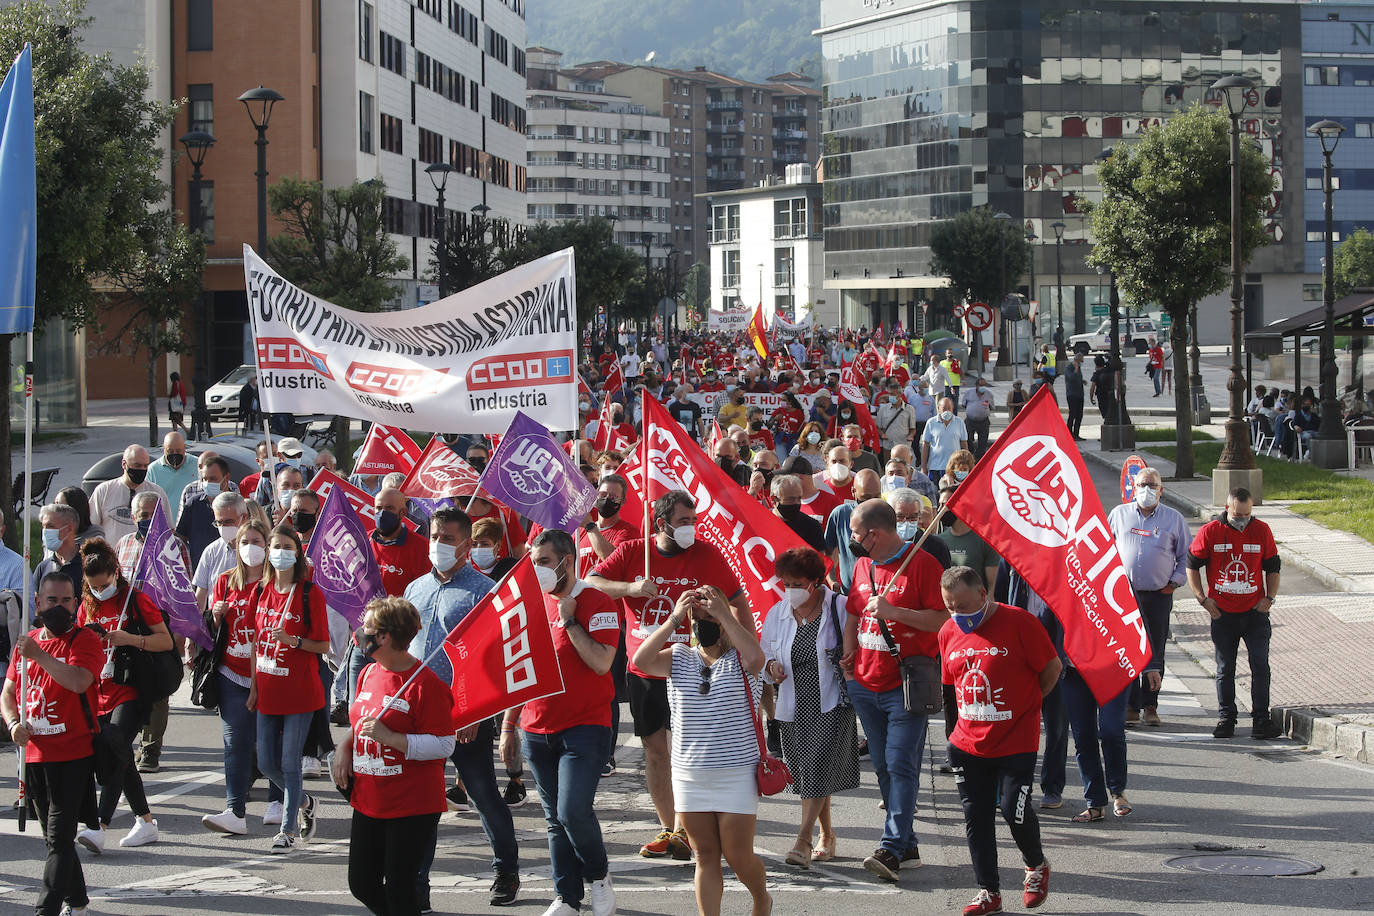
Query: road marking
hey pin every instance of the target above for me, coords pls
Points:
(188, 785)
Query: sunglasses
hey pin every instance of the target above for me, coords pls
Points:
(704, 687)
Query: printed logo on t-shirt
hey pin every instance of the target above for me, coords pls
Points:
(605, 621)
(1235, 578)
(41, 712)
(659, 608)
(240, 643)
(270, 651)
(977, 698)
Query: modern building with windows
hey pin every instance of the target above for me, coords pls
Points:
(930, 109)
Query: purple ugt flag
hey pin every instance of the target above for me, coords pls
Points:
(162, 575)
(345, 568)
(530, 473)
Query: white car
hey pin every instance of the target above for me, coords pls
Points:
(1137, 334)
(222, 398)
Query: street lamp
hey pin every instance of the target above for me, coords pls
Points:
(1059, 228)
(197, 143)
(1031, 239)
(1003, 352)
(1329, 449)
(1237, 458)
(259, 103)
(438, 173)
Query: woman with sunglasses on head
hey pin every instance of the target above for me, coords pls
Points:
(712, 688)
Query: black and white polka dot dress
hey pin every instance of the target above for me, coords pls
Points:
(820, 748)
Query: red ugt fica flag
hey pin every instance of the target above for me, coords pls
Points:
(386, 449)
(440, 472)
(1032, 500)
(502, 652)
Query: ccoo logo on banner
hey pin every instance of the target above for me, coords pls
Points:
(465, 364)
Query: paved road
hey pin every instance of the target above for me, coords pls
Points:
(1189, 790)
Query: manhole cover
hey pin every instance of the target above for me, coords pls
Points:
(1237, 863)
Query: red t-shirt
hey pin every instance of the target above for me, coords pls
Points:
(917, 589)
(701, 564)
(289, 678)
(59, 725)
(243, 610)
(995, 672)
(822, 505)
(617, 533)
(710, 387)
(788, 421)
(401, 563)
(1235, 562)
(514, 531)
(815, 356)
(385, 783)
(107, 614)
(761, 439)
(586, 697)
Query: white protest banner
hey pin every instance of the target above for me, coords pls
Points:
(727, 322)
(800, 326)
(709, 400)
(464, 364)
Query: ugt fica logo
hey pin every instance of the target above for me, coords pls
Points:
(1037, 491)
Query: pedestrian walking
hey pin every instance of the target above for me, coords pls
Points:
(978, 403)
(1073, 394)
(176, 404)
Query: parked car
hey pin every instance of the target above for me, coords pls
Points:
(222, 398)
(1137, 334)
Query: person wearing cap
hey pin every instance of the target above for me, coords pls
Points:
(977, 403)
(289, 454)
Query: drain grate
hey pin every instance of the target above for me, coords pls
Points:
(1247, 863)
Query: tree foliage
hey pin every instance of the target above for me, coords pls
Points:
(606, 271)
(970, 251)
(696, 289)
(1354, 263)
(1163, 225)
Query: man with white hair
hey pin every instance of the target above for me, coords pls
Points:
(231, 514)
(58, 532)
(112, 501)
(130, 547)
(172, 472)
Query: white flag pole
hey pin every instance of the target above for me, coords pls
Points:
(25, 611)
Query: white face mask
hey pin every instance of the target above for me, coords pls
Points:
(252, 554)
(228, 532)
(813, 438)
(548, 577)
(946, 415)
(907, 530)
(839, 472)
(282, 558)
(796, 597)
(484, 557)
(893, 483)
(284, 498)
(106, 593)
(442, 557)
(1146, 497)
(685, 536)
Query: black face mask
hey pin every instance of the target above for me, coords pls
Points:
(707, 632)
(857, 549)
(767, 474)
(57, 619)
(386, 521)
(606, 506)
(790, 513)
(137, 475)
(947, 520)
(174, 460)
(479, 464)
(726, 464)
(367, 643)
(303, 521)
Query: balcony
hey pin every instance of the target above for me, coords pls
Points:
(726, 105)
(729, 281)
(785, 279)
(721, 236)
(784, 134)
(725, 174)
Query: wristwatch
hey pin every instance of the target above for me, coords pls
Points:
(298, 642)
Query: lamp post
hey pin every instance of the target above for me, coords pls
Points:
(1031, 239)
(1329, 448)
(259, 103)
(1059, 228)
(1236, 467)
(197, 143)
(438, 173)
(1003, 350)
(670, 328)
(1118, 433)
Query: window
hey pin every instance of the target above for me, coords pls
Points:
(725, 223)
(729, 278)
(201, 98)
(1319, 235)
(207, 210)
(462, 22)
(497, 46)
(365, 30)
(200, 25)
(507, 113)
(431, 146)
(1311, 292)
(1364, 130)
(789, 218)
(1322, 76)
(1314, 182)
(393, 53)
(782, 267)
(392, 134)
(365, 118)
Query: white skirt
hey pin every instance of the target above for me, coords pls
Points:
(727, 790)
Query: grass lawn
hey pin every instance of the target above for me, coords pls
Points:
(1168, 434)
(1345, 503)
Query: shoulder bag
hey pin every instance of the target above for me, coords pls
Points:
(836, 654)
(922, 692)
(153, 675)
(773, 775)
(205, 671)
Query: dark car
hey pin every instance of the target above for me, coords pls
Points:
(242, 462)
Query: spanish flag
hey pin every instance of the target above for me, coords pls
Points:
(758, 332)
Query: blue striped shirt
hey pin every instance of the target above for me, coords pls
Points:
(442, 605)
(1154, 547)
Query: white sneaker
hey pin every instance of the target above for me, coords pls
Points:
(310, 767)
(559, 908)
(144, 832)
(283, 843)
(603, 897)
(94, 840)
(225, 822)
(273, 814)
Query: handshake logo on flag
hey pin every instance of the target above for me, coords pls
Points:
(531, 470)
(1037, 489)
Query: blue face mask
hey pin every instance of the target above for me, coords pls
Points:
(143, 525)
(907, 530)
(52, 539)
(211, 489)
(970, 622)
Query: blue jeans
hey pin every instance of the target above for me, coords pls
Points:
(1056, 720)
(1093, 725)
(567, 769)
(477, 769)
(239, 727)
(280, 740)
(896, 739)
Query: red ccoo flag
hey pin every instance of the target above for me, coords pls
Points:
(1031, 498)
(386, 449)
(757, 330)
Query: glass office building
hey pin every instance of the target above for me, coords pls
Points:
(930, 109)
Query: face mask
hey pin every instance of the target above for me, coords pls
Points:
(136, 475)
(228, 533)
(731, 387)
(303, 521)
(387, 521)
(947, 520)
(442, 557)
(583, 406)
(484, 557)
(211, 489)
(252, 554)
(839, 472)
(707, 632)
(57, 619)
(52, 539)
(1146, 497)
(106, 593)
(726, 464)
(284, 498)
(946, 416)
(796, 596)
(907, 530)
(366, 642)
(857, 549)
(1238, 522)
(479, 464)
(813, 438)
(143, 525)
(174, 460)
(606, 506)
(282, 557)
(685, 536)
(970, 622)
(790, 513)
(960, 475)
(893, 483)
(548, 577)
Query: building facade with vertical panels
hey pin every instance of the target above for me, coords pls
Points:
(930, 109)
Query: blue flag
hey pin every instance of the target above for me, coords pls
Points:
(18, 199)
(530, 473)
(345, 568)
(162, 575)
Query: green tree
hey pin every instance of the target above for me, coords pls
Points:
(336, 246)
(605, 270)
(970, 251)
(696, 289)
(1354, 263)
(473, 252)
(98, 150)
(1163, 226)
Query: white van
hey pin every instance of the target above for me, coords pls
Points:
(1138, 335)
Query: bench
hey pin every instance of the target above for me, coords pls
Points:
(42, 483)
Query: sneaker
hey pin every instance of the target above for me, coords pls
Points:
(272, 816)
(1226, 728)
(603, 897)
(310, 767)
(608, 768)
(883, 863)
(1263, 731)
(457, 798)
(680, 846)
(1052, 800)
(1132, 718)
(338, 714)
(559, 908)
(283, 843)
(912, 855)
(986, 902)
(94, 840)
(515, 792)
(225, 822)
(1150, 717)
(148, 765)
(144, 832)
(1037, 885)
(656, 848)
(308, 817)
(69, 910)
(504, 889)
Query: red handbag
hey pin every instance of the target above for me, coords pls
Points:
(773, 774)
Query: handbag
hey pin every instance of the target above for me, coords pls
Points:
(773, 775)
(922, 691)
(205, 671)
(153, 675)
(104, 759)
(837, 653)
